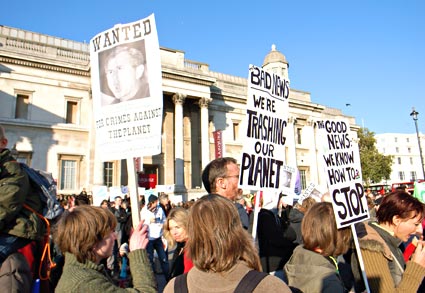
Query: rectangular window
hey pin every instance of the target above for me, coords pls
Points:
(409, 150)
(235, 130)
(401, 175)
(68, 174)
(395, 139)
(21, 109)
(108, 173)
(299, 132)
(72, 112)
(399, 160)
(413, 176)
(407, 139)
(303, 179)
(396, 149)
(411, 161)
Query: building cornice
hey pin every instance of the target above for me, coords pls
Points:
(44, 66)
(44, 125)
(168, 75)
(293, 103)
(187, 78)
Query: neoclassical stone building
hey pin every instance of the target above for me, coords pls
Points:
(46, 108)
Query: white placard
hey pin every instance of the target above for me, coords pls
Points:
(100, 192)
(263, 153)
(311, 191)
(115, 191)
(127, 90)
(341, 163)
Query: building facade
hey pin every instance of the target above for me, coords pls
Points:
(407, 164)
(46, 108)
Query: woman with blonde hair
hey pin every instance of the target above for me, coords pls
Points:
(175, 231)
(86, 235)
(313, 266)
(222, 252)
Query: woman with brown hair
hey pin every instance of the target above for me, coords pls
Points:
(399, 216)
(104, 204)
(175, 231)
(313, 266)
(86, 235)
(221, 250)
(296, 216)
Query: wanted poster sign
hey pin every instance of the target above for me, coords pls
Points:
(263, 154)
(127, 90)
(341, 163)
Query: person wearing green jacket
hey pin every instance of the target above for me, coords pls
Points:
(86, 235)
(18, 225)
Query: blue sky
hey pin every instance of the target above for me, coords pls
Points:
(366, 53)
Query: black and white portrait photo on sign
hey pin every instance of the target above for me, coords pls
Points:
(126, 75)
(123, 73)
(286, 178)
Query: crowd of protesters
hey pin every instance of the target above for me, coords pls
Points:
(204, 245)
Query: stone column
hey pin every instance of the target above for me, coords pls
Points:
(98, 172)
(291, 160)
(205, 144)
(311, 138)
(178, 100)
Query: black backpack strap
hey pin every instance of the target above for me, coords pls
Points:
(250, 281)
(180, 284)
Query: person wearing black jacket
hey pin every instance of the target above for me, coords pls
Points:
(275, 239)
(121, 217)
(165, 203)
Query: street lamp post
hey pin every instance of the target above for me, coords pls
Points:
(414, 115)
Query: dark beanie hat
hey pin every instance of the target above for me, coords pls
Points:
(152, 198)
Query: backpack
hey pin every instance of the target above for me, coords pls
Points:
(248, 283)
(43, 184)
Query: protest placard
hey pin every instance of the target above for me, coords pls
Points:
(127, 90)
(100, 192)
(114, 191)
(419, 191)
(341, 162)
(263, 153)
(311, 191)
(262, 160)
(127, 96)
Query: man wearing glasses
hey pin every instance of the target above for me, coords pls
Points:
(221, 177)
